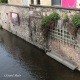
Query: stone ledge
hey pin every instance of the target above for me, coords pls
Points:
(65, 62)
(56, 7)
(13, 5)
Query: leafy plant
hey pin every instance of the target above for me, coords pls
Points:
(66, 18)
(49, 21)
(76, 20)
(44, 21)
(54, 16)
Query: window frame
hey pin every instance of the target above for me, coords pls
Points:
(32, 1)
(11, 18)
(55, 4)
(39, 2)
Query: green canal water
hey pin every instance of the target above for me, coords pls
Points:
(20, 60)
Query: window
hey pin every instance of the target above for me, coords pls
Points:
(38, 1)
(56, 2)
(32, 1)
(25, 2)
(14, 17)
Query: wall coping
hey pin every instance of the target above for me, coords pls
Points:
(57, 7)
(14, 5)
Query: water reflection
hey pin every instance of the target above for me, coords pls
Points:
(19, 57)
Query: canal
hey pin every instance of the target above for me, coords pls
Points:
(20, 60)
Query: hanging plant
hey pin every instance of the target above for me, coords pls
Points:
(44, 21)
(49, 21)
(44, 26)
(76, 20)
(76, 24)
(54, 16)
(65, 20)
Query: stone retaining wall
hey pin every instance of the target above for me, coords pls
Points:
(22, 30)
(30, 18)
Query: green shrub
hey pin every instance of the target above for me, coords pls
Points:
(47, 22)
(66, 18)
(44, 21)
(76, 20)
(54, 16)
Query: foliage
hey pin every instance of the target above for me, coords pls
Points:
(76, 20)
(44, 26)
(66, 18)
(47, 22)
(54, 16)
(3, 1)
(44, 21)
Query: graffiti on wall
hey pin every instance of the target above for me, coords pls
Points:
(69, 3)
